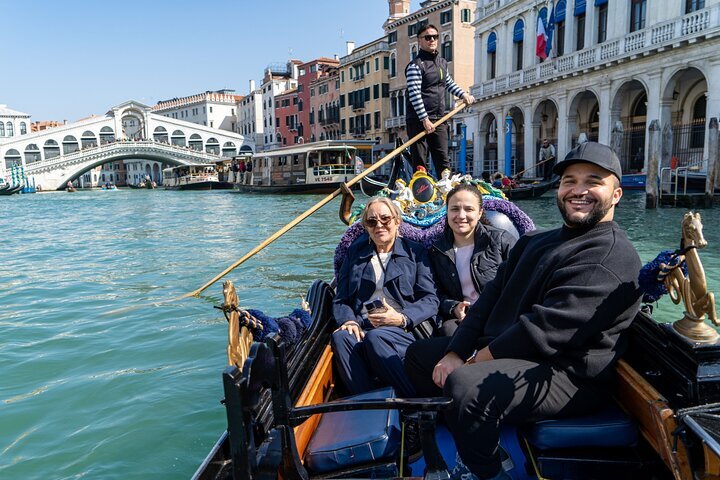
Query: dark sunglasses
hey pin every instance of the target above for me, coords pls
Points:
(429, 38)
(373, 222)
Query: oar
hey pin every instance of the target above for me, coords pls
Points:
(323, 202)
(538, 163)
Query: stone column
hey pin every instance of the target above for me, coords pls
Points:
(500, 119)
(713, 162)
(531, 128)
(479, 147)
(616, 138)
(604, 111)
(653, 159)
(563, 137)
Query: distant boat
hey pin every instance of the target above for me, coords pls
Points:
(633, 181)
(526, 191)
(10, 189)
(193, 177)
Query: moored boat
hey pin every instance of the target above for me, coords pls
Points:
(192, 177)
(524, 191)
(8, 189)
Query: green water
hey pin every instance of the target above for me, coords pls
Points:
(101, 378)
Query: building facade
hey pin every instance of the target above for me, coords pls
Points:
(250, 115)
(277, 79)
(212, 109)
(308, 73)
(325, 107)
(649, 69)
(13, 123)
(365, 92)
(286, 118)
(453, 19)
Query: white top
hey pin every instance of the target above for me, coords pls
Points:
(380, 281)
(463, 256)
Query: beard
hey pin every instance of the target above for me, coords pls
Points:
(598, 212)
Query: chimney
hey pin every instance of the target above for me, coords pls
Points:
(336, 57)
(350, 47)
(398, 8)
(252, 86)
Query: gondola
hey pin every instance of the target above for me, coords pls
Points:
(285, 419)
(524, 191)
(10, 189)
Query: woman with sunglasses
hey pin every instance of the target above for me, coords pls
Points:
(467, 256)
(384, 290)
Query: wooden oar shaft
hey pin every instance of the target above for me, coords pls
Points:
(538, 163)
(322, 203)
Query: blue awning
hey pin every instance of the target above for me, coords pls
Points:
(492, 43)
(579, 7)
(560, 11)
(600, 3)
(543, 15)
(518, 31)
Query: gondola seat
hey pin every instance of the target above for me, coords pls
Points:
(346, 439)
(609, 428)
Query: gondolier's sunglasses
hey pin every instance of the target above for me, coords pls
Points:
(384, 221)
(430, 38)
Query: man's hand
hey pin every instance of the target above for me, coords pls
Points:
(460, 310)
(468, 99)
(353, 329)
(389, 318)
(482, 355)
(448, 364)
(428, 125)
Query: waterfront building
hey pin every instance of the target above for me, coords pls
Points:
(309, 72)
(45, 124)
(250, 115)
(365, 93)
(12, 123)
(454, 21)
(324, 115)
(216, 109)
(616, 71)
(286, 118)
(278, 79)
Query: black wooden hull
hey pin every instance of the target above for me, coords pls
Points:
(527, 191)
(317, 188)
(10, 190)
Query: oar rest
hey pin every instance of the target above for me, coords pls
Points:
(342, 442)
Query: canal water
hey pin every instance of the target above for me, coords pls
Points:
(102, 377)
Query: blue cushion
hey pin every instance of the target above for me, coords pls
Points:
(346, 439)
(609, 428)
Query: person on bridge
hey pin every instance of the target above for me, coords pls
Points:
(427, 80)
(543, 338)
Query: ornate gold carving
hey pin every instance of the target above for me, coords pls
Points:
(691, 289)
(239, 338)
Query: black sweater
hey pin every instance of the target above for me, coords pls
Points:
(564, 295)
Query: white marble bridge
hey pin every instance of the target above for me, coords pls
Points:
(55, 156)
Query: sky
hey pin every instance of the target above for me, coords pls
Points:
(69, 59)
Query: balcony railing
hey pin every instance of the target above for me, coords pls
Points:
(395, 122)
(685, 29)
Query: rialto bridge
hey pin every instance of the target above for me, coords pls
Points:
(55, 156)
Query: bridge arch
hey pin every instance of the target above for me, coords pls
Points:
(107, 135)
(70, 144)
(51, 149)
(212, 146)
(160, 134)
(88, 139)
(32, 154)
(196, 142)
(178, 138)
(229, 149)
(12, 158)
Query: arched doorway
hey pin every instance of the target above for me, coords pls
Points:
(178, 138)
(70, 144)
(584, 117)
(196, 142)
(133, 125)
(686, 93)
(88, 140)
(489, 143)
(212, 146)
(160, 135)
(545, 127)
(32, 154)
(629, 107)
(107, 135)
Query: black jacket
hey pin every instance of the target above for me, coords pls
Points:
(492, 246)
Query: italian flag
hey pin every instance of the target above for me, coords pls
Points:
(542, 38)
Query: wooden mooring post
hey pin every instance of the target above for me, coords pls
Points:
(653, 166)
(713, 162)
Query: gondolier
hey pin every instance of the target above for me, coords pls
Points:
(546, 159)
(427, 79)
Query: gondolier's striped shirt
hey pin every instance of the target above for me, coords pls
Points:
(413, 75)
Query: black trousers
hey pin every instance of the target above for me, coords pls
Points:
(436, 143)
(507, 391)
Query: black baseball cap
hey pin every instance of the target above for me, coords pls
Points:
(591, 152)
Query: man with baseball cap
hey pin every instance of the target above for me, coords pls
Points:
(544, 336)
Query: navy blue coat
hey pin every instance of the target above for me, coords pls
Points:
(408, 280)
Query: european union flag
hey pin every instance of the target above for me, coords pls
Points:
(549, 30)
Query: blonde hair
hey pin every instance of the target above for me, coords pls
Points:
(394, 209)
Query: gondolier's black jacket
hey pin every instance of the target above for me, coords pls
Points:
(408, 280)
(565, 296)
(492, 246)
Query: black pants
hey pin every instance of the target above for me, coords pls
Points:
(436, 143)
(507, 391)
